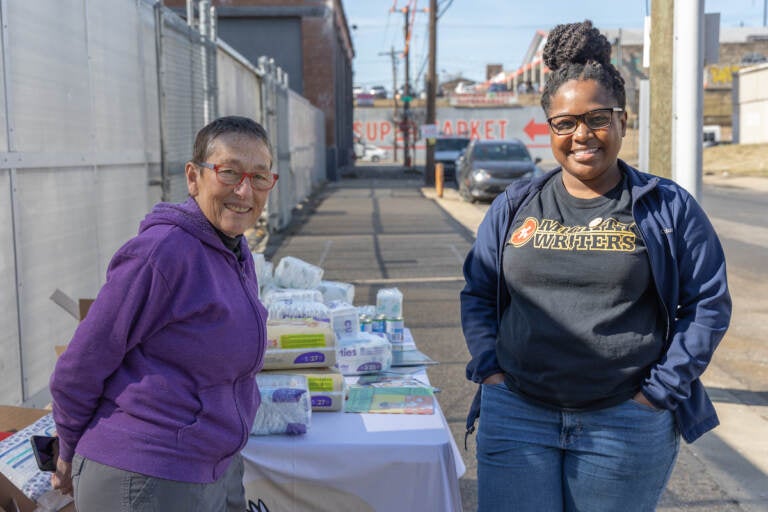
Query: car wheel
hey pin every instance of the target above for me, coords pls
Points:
(375, 158)
(464, 193)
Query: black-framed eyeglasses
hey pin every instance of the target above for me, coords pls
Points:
(598, 119)
(264, 180)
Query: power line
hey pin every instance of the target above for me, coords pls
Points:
(441, 9)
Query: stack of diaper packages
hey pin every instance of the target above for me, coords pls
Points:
(301, 341)
(285, 405)
(315, 330)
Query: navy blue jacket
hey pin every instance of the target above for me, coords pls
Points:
(688, 269)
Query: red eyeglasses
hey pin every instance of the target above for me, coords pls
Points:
(258, 180)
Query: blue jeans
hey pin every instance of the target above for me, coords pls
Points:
(531, 458)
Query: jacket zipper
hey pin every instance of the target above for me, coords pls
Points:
(668, 322)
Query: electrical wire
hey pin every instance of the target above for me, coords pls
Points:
(442, 8)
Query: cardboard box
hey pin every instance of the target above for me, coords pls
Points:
(13, 419)
(77, 308)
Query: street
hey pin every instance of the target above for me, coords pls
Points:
(378, 227)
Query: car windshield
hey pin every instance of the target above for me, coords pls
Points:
(501, 151)
(451, 144)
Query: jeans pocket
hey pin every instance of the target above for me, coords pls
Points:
(637, 405)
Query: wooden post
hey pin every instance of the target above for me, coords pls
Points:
(660, 74)
(439, 179)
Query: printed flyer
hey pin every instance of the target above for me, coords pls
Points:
(390, 400)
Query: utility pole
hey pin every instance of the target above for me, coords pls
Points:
(393, 56)
(688, 95)
(405, 124)
(429, 170)
(661, 64)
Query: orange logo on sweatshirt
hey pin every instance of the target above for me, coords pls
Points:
(525, 232)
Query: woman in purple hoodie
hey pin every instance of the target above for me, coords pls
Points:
(155, 395)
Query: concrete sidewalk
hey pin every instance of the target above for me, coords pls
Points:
(380, 227)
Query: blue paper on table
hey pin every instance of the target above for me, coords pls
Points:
(414, 357)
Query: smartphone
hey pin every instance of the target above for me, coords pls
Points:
(45, 449)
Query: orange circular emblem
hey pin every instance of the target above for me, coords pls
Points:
(524, 233)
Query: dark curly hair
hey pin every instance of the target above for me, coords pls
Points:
(578, 51)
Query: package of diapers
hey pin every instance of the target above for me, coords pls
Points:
(285, 407)
(368, 353)
(298, 309)
(295, 273)
(337, 290)
(299, 344)
(299, 334)
(389, 302)
(345, 320)
(286, 359)
(263, 270)
(327, 387)
(274, 294)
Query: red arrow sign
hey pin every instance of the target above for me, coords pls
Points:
(533, 129)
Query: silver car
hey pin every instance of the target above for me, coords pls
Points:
(488, 166)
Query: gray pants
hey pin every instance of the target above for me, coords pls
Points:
(100, 488)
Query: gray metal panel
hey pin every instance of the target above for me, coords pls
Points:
(56, 236)
(753, 105)
(122, 203)
(281, 140)
(3, 113)
(49, 76)
(320, 152)
(115, 65)
(306, 143)
(270, 122)
(280, 38)
(10, 392)
(148, 66)
(146, 34)
(78, 115)
(239, 85)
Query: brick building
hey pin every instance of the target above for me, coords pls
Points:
(310, 40)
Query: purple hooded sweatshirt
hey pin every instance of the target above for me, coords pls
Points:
(159, 377)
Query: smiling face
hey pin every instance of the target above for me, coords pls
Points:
(588, 157)
(230, 209)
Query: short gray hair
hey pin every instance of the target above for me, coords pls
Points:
(223, 125)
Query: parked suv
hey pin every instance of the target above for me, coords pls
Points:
(447, 150)
(378, 91)
(488, 166)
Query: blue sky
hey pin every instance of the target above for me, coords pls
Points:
(473, 33)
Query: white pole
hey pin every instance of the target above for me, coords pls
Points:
(204, 28)
(190, 13)
(688, 94)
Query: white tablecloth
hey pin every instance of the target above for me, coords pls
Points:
(357, 463)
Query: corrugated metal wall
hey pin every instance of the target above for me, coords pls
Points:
(99, 104)
(77, 159)
(753, 105)
(306, 147)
